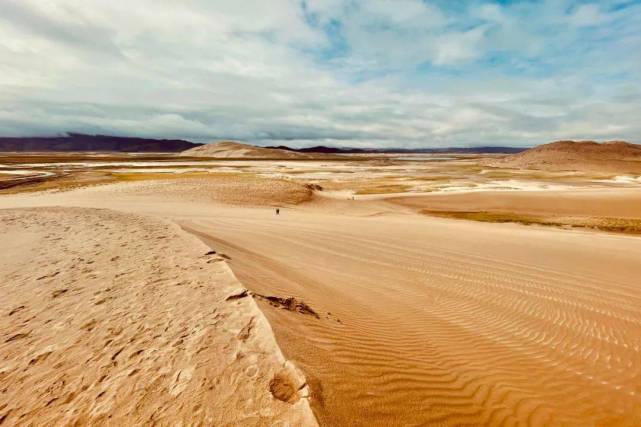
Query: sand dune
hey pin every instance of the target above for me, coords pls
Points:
(432, 321)
(232, 149)
(439, 323)
(610, 156)
(113, 319)
(233, 189)
(402, 319)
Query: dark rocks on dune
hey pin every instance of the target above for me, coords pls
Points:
(289, 304)
(314, 187)
(239, 295)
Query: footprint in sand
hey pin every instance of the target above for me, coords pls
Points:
(287, 385)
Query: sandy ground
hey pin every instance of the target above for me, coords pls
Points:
(111, 318)
(607, 209)
(439, 323)
(602, 202)
(232, 149)
(424, 321)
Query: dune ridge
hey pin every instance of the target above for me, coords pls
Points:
(117, 319)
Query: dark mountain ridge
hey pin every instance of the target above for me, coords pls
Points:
(83, 142)
(106, 143)
(347, 150)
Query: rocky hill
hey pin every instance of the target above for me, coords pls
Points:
(609, 156)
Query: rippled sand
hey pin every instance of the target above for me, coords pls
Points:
(460, 324)
(420, 320)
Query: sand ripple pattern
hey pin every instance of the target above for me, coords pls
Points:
(449, 323)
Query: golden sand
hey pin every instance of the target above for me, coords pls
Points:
(395, 318)
(116, 319)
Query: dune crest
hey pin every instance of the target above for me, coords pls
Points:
(116, 319)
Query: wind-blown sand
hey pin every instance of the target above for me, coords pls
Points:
(425, 320)
(435, 322)
(403, 319)
(109, 318)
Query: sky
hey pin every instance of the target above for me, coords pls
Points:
(368, 73)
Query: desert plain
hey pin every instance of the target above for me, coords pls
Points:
(391, 289)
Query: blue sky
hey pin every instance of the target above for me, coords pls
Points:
(375, 73)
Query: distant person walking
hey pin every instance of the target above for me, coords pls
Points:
(277, 211)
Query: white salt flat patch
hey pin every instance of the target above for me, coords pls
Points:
(162, 170)
(25, 172)
(505, 185)
(622, 179)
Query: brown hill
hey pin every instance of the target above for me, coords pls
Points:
(232, 149)
(609, 156)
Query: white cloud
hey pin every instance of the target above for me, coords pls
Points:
(458, 47)
(588, 15)
(379, 72)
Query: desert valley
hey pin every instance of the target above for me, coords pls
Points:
(237, 285)
(335, 213)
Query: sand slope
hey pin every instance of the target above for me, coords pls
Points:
(114, 319)
(438, 322)
(229, 189)
(610, 156)
(620, 203)
(231, 149)
(428, 321)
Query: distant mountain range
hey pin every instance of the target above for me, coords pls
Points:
(338, 150)
(82, 142)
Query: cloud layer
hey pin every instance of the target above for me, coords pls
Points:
(339, 72)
